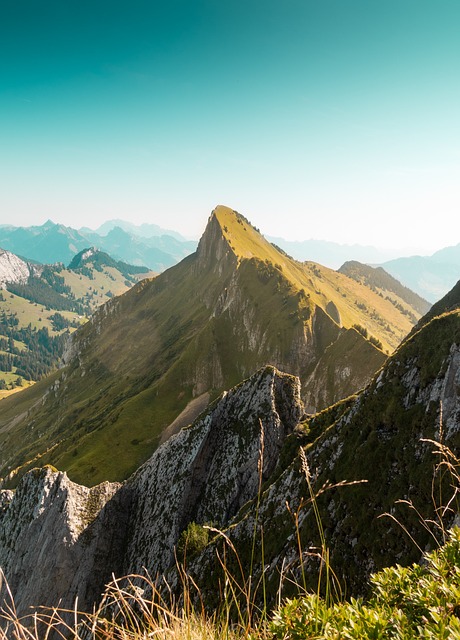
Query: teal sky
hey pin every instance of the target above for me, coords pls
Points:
(332, 119)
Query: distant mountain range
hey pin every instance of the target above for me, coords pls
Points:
(429, 276)
(51, 243)
(158, 249)
(145, 230)
(332, 254)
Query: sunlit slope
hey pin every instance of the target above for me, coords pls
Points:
(28, 312)
(200, 327)
(385, 285)
(357, 303)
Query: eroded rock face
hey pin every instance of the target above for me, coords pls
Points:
(386, 438)
(12, 269)
(208, 471)
(59, 540)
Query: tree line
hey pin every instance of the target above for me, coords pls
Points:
(40, 354)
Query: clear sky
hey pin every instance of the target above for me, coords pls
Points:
(327, 119)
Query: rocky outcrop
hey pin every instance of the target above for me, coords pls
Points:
(384, 441)
(209, 470)
(59, 540)
(243, 312)
(13, 269)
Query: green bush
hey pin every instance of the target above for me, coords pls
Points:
(192, 541)
(419, 601)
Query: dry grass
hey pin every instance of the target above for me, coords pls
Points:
(132, 609)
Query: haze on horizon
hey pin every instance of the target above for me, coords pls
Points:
(330, 120)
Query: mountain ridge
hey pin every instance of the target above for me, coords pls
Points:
(199, 327)
(145, 230)
(378, 278)
(210, 472)
(54, 242)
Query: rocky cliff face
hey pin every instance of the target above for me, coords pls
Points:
(59, 540)
(13, 269)
(383, 438)
(209, 470)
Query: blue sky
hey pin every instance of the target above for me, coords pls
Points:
(329, 119)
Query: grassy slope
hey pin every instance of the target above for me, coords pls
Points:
(383, 282)
(93, 291)
(380, 317)
(30, 312)
(381, 443)
(146, 354)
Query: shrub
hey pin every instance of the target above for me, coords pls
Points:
(192, 541)
(419, 601)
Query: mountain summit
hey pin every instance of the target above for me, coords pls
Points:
(149, 361)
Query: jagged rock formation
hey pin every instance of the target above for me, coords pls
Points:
(209, 470)
(234, 306)
(381, 437)
(13, 269)
(58, 540)
(78, 537)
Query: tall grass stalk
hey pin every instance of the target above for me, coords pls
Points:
(134, 608)
(125, 613)
(447, 468)
(260, 466)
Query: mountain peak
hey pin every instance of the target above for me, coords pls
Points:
(82, 257)
(213, 245)
(49, 224)
(229, 232)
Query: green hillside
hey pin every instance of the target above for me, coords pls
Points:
(37, 316)
(237, 304)
(386, 285)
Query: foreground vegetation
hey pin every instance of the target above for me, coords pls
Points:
(419, 601)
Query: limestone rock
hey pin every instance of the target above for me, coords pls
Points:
(59, 540)
(208, 471)
(12, 269)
